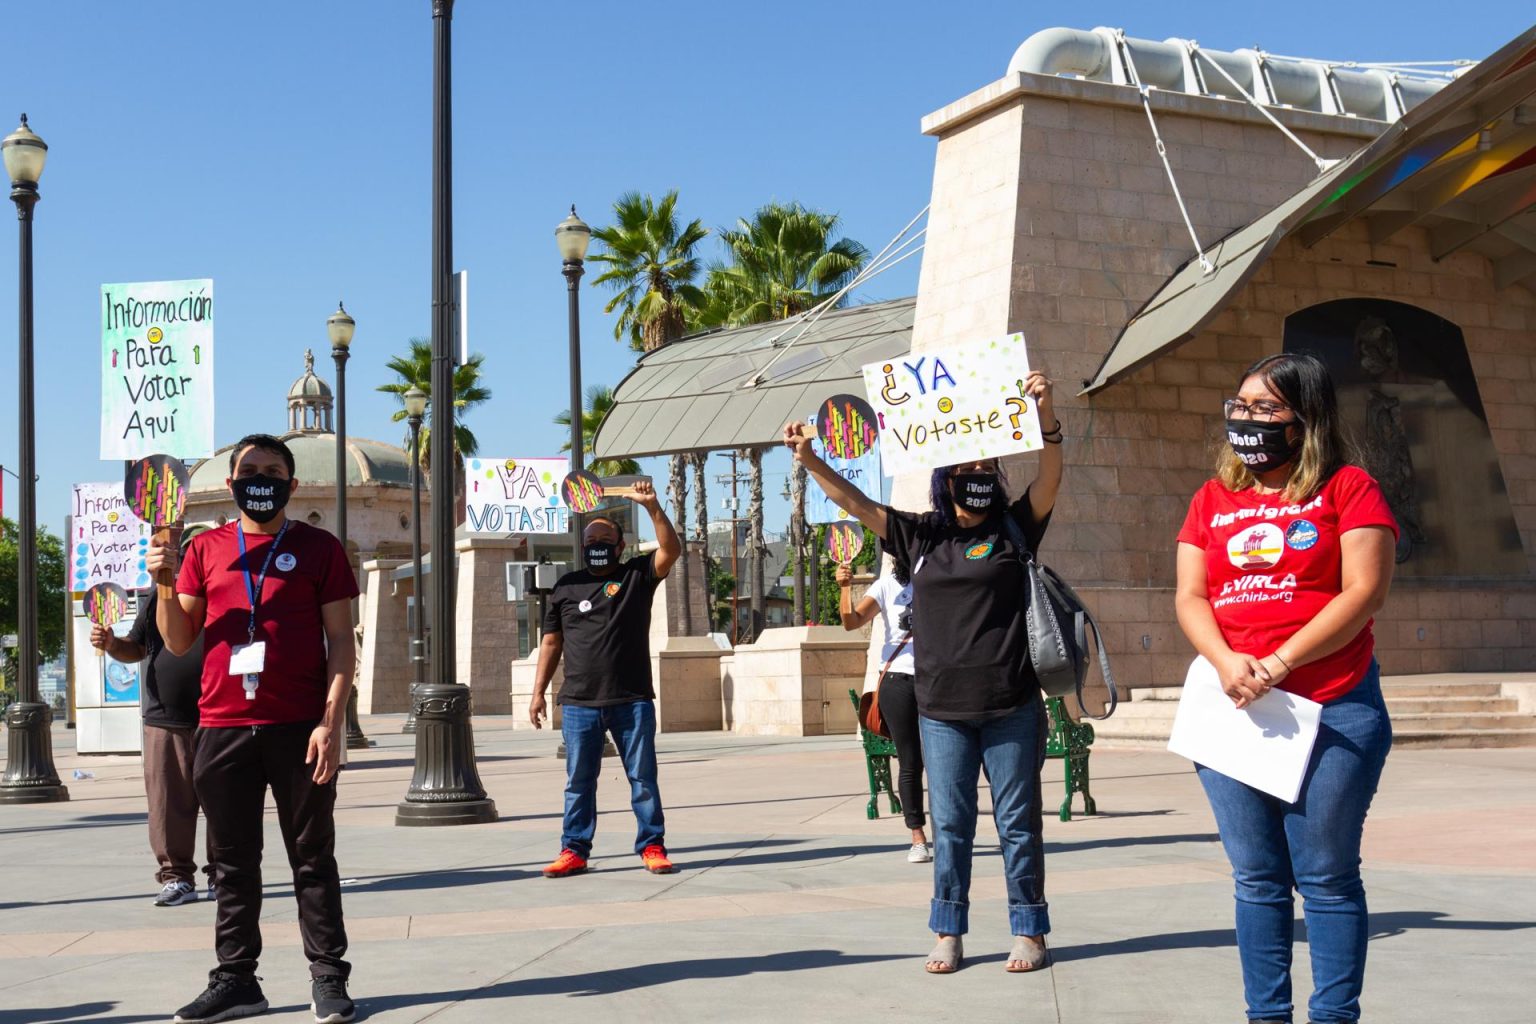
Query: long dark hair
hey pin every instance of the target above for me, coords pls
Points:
(899, 567)
(943, 502)
(1306, 386)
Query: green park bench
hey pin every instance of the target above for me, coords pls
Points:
(1068, 741)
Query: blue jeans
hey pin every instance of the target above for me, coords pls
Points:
(633, 726)
(1313, 847)
(1012, 749)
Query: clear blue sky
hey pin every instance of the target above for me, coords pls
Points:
(283, 150)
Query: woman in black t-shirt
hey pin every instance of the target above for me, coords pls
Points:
(976, 691)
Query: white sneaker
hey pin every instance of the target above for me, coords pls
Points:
(921, 853)
(174, 894)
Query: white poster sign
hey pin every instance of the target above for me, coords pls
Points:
(1266, 744)
(506, 496)
(109, 542)
(953, 405)
(157, 369)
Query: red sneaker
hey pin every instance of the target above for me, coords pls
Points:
(656, 861)
(568, 863)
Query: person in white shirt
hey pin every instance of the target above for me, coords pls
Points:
(891, 598)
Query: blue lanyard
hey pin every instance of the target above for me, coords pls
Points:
(253, 590)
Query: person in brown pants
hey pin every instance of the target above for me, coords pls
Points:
(172, 686)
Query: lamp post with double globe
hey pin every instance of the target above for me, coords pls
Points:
(30, 776)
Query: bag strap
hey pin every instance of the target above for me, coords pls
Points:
(1082, 620)
(892, 659)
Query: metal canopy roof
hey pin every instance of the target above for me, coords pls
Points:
(1462, 165)
(695, 394)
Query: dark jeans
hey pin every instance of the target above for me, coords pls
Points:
(898, 706)
(633, 726)
(1012, 748)
(232, 768)
(1312, 846)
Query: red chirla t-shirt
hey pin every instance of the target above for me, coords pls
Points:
(1272, 565)
(309, 570)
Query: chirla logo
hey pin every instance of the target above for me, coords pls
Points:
(978, 551)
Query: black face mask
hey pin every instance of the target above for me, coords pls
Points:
(977, 492)
(261, 497)
(1261, 446)
(600, 554)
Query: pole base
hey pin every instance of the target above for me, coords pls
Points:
(445, 786)
(466, 812)
(409, 727)
(355, 738)
(30, 777)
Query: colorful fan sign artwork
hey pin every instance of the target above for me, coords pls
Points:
(106, 604)
(155, 488)
(583, 492)
(846, 426)
(844, 542)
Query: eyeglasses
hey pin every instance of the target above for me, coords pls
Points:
(1237, 409)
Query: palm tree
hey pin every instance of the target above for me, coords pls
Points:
(651, 266)
(783, 261)
(599, 401)
(415, 370)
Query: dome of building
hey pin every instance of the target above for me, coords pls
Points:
(314, 461)
(313, 443)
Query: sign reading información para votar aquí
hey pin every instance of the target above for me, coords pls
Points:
(157, 369)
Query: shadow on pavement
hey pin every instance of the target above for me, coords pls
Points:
(1383, 926)
(408, 762)
(625, 979)
(84, 821)
(85, 1013)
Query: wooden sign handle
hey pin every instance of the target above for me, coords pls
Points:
(165, 580)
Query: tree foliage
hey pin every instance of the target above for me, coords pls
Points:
(50, 577)
(599, 401)
(415, 370)
(652, 267)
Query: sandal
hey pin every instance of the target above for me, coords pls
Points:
(946, 956)
(1030, 952)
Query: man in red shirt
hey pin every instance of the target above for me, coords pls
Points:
(273, 600)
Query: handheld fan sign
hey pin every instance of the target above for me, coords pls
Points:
(583, 492)
(155, 488)
(844, 542)
(846, 426)
(106, 604)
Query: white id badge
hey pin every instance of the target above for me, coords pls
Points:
(248, 659)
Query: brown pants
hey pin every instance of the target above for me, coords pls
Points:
(172, 802)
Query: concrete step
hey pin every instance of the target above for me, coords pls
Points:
(1474, 739)
(1406, 686)
(1450, 705)
(1460, 723)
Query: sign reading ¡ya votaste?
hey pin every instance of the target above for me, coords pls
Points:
(953, 405)
(157, 369)
(505, 496)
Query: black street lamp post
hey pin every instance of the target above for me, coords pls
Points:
(573, 236)
(445, 786)
(415, 406)
(30, 776)
(341, 327)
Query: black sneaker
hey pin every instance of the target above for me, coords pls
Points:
(226, 997)
(329, 1000)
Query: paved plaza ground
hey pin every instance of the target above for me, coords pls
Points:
(788, 906)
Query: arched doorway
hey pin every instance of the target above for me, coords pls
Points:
(1409, 398)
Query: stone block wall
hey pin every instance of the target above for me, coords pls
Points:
(794, 681)
(486, 641)
(1059, 182)
(384, 679)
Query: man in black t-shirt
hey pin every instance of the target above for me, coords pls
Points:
(599, 618)
(172, 686)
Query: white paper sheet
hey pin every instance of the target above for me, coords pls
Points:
(1266, 744)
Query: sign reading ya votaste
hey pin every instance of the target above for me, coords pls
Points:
(157, 369)
(953, 405)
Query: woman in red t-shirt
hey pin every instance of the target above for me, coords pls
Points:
(1283, 559)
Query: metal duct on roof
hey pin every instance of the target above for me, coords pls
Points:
(1106, 54)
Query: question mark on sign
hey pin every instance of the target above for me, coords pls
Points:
(1020, 407)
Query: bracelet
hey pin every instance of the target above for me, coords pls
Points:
(1046, 435)
(1282, 661)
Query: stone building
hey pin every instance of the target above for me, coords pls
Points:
(1405, 258)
